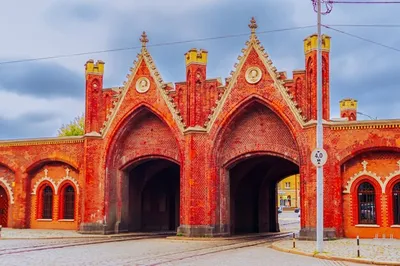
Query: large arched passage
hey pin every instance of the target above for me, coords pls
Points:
(151, 196)
(142, 161)
(253, 193)
(3, 207)
(254, 151)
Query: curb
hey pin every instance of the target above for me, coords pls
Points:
(217, 238)
(330, 257)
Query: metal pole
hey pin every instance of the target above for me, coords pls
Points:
(320, 174)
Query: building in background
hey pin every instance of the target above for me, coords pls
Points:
(289, 192)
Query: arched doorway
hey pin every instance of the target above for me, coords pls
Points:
(153, 195)
(253, 193)
(3, 207)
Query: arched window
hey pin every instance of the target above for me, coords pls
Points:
(69, 202)
(366, 204)
(47, 201)
(396, 203)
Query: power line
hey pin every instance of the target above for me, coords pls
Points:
(364, 39)
(152, 45)
(364, 2)
(366, 25)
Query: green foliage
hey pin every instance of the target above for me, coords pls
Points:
(75, 128)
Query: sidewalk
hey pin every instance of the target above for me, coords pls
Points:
(372, 251)
(10, 233)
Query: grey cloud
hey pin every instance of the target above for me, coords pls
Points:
(63, 13)
(29, 125)
(41, 79)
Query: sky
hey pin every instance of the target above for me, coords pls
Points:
(37, 97)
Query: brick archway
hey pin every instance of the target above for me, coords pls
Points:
(151, 195)
(144, 136)
(254, 132)
(252, 197)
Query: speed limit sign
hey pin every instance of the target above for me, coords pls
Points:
(319, 157)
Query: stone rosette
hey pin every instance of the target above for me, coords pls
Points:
(253, 75)
(142, 85)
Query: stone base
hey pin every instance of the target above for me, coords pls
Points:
(94, 228)
(202, 230)
(309, 233)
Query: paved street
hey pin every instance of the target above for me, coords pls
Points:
(149, 252)
(156, 251)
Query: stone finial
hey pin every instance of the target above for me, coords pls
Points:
(364, 164)
(144, 39)
(67, 171)
(46, 171)
(253, 25)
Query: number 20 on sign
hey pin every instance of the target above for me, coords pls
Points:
(319, 157)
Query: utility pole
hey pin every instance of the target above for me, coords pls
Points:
(320, 141)
(319, 156)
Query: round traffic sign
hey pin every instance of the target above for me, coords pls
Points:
(319, 157)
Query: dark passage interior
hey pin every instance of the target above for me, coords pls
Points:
(154, 196)
(253, 193)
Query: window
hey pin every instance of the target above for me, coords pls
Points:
(47, 212)
(69, 202)
(366, 204)
(396, 203)
(287, 184)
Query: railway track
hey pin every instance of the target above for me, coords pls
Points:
(198, 252)
(56, 244)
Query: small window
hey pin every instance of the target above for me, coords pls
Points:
(396, 203)
(366, 204)
(287, 184)
(69, 202)
(47, 203)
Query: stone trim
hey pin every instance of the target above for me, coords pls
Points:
(42, 141)
(55, 184)
(367, 124)
(253, 42)
(368, 225)
(378, 179)
(8, 188)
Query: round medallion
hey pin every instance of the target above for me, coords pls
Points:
(142, 85)
(253, 75)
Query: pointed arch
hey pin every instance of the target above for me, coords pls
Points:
(255, 99)
(128, 120)
(43, 159)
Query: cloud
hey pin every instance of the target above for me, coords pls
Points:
(41, 79)
(29, 125)
(26, 117)
(359, 69)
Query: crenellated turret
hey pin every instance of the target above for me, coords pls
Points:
(348, 109)
(94, 115)
(310, 51)
(196, 93)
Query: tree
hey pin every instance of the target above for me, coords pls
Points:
(74, 128)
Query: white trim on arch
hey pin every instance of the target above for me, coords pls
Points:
(363, 172)
(8, 188)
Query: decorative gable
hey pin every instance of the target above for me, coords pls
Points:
(248, 72)
(149, 79)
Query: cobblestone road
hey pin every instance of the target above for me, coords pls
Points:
(152, 252)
